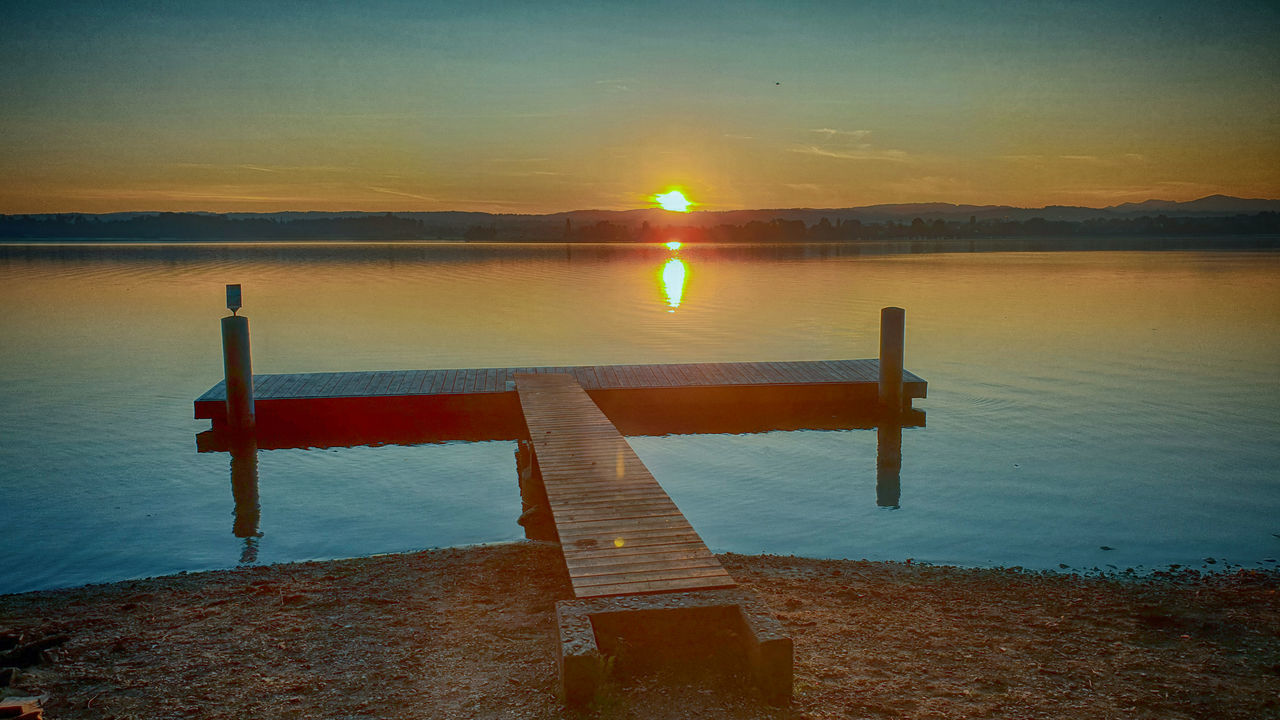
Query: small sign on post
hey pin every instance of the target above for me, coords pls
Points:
(233, 298)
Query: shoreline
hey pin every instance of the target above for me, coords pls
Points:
(1208, 567)
(471, 632)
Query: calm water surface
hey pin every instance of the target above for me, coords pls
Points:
(1077, 400)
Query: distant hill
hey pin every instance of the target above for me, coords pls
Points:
(1212, 215)
(1210, 205)
(905, 212)
(1220, 205)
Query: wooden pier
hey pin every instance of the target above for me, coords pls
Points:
(619, 531)
(415, 406)
(633, 558)
(634, 561)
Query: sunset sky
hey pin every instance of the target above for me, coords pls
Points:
(544, 106)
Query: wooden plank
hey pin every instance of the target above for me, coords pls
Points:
(604, 378)
(583, 500)
(650, 376)
(718, 374)
(653, 586)
(363, 385)
(386, 382)
(605, 545)
(753, 373)
(327, 390)
(419, 382)
(801, 372)
(676, 373)
(837, 371)
(577, 517)
(598, 536)
(394, 381)
(669, 566)
(652, 548)
(405, 382)
(867, 371)
(314, 387)
(643, 573)
(616, 556)
(366, 385)
(304, 385)
(284, 386)
(435, 384)
(356, 383)
(263, 385)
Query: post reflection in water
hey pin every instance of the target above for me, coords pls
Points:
(244, 490)
(888, 464)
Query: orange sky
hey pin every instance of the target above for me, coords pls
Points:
(543, 107)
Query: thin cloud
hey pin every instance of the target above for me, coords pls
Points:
(273, 169)
(859, 153)
(517, 159)
(389, 191)
(935, 186)
(216, 195)
(524, 173)
(1103, 160)
(833, 133)
(848, 145)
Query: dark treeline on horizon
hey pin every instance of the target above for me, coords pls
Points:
(202, 226)
(1264, 223)
(389, 226)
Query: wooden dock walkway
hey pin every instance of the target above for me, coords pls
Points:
(619, 531)
(412, 406)
(471, 381)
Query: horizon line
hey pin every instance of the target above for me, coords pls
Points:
(650, 208)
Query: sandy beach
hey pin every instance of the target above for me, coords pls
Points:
(471, 633)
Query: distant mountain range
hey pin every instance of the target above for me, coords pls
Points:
(1212, 205)
(1214, 215)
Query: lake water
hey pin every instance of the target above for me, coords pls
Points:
(1077, 400)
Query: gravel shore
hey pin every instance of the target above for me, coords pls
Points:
(471, 632)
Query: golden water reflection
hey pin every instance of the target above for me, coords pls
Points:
(673, 282)
(673, 274)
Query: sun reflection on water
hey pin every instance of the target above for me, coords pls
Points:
(673, 282)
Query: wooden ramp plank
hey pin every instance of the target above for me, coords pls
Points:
(619, 531)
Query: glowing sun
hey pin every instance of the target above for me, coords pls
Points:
(673, 201)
